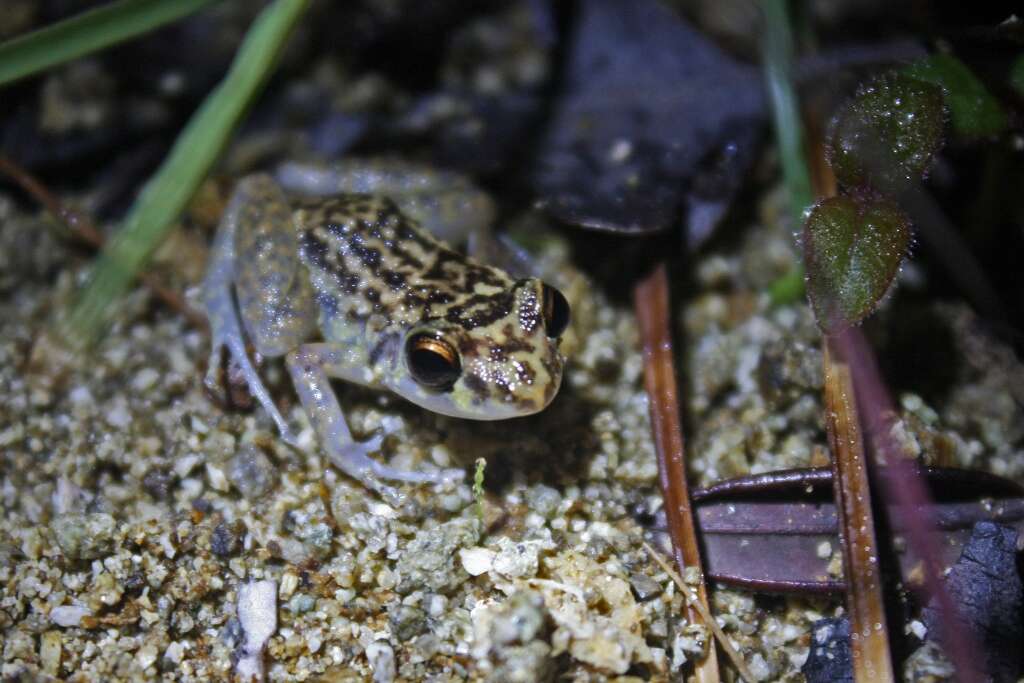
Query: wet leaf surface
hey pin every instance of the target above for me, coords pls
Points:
(853, 247)
(888, 133)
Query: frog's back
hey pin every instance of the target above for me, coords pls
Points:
(366, 258)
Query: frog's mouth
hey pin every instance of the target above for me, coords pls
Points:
(475, 398)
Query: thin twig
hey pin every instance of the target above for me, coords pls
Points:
(864, 601)
(709, 619)
(83, 229)
(905, 488)
(650, 300)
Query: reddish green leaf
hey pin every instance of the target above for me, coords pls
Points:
(888, 133)
(852, 250)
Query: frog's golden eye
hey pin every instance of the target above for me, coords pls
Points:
(556, 311)
(433, 362)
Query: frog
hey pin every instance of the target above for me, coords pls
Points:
(346, 271)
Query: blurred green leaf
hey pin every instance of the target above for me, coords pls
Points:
(1017, 75)
(195, 150)
(777, 61)
(888, 133)
(88, 32)
(853, 247)
(974, 112)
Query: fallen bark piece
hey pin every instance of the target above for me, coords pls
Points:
(986, 586)
(829, 660)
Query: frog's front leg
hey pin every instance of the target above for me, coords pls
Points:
(311, 367)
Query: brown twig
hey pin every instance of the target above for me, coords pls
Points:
(83, 229)
(864, 601)
(904, 486)
(651, 303)
(693, 603)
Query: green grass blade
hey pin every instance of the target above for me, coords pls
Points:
(777, 59)
(195, 150)
(88, 32)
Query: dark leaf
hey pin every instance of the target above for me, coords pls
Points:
(829, 659)
(646, 100)
(987, 588)
(853, 247)
(888, 133)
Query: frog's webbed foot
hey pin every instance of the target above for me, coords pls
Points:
(311, 366)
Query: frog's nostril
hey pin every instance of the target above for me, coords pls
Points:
(556, 311)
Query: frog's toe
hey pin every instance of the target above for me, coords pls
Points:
(354, 459)
(433, 477)
(290, 437)
(241, 375)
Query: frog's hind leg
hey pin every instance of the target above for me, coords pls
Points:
(225, 270)
(311, 367)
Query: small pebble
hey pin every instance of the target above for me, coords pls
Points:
(50, 651)
(84, 536)
(68, 615)
(251, 472)
(644, 587)
(477, 561)
(225, 540)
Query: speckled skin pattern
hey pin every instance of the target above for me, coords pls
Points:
(337, 283)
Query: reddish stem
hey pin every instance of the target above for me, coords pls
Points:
(905, 487)
(651, 302)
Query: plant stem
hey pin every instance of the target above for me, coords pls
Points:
(651, 303)
(88, 32)
(869, 634)
(906, 491)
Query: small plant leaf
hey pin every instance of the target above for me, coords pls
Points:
(852, 250)
(974, 112)
(888, 133)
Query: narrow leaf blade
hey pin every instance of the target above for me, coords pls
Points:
(88, 32)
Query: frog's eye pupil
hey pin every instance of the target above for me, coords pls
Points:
(555, 310)
(432, 362)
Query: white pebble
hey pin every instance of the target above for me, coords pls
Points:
(146, 656)
(257, 612)
(218, 480)
(68, 615)
(477, 561)
(145, 379)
